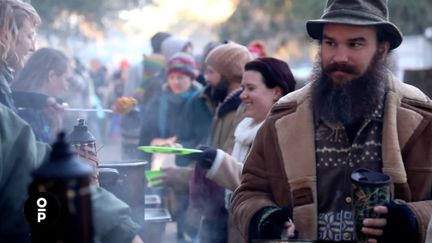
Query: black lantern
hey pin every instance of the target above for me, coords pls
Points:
(65, 181)
(84, 146)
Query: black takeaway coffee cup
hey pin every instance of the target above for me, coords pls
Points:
(370, 189)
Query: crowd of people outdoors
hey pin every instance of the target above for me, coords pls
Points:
(275, 161)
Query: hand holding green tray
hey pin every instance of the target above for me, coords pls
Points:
(169, 150)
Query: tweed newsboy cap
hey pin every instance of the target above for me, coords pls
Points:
(229, 60)
(357, 12)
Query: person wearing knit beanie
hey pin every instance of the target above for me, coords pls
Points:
(167, 122)
(224, 72)
(229, 60)
(184, 64)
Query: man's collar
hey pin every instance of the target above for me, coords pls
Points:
(232, 94)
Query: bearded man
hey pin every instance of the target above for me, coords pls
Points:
(224, 71)
(354, 114)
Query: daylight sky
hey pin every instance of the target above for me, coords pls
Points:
(165, 13)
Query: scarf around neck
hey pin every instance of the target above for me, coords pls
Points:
(244, 135)
(174, 100)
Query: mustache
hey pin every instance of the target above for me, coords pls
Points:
(340, 67)
(352, 102)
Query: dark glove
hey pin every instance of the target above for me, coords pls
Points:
(268, 223)
(401, 224)
(204, 159)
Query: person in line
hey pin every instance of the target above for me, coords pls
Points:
(164, 114)
(354, 114)
(164, 119)
(201, 57)
(224, 72)
(265, 80)
(149, 70)
(200, 110)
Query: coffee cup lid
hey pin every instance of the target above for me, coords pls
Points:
(366, 177)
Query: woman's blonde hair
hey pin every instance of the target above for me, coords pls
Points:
(12, 16)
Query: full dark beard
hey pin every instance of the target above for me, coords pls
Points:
(353, 101)
(220, 91)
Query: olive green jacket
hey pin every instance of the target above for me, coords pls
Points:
(19, 154)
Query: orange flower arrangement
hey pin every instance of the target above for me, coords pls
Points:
(124, 105)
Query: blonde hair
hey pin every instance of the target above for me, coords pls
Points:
(12, 16)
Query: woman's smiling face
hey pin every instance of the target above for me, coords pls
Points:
(257, 98)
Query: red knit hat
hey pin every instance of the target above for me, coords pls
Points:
(183, 63)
